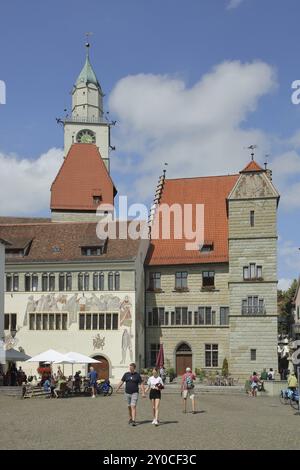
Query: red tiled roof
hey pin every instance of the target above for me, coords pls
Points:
(252, 166)
(211, 191)
(82, 175)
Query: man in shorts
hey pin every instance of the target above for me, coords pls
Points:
(132, 380)
(187, 388)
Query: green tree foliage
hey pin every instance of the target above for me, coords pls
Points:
(285, 300)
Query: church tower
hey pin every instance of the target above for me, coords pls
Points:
(87, 124)
(83, 182)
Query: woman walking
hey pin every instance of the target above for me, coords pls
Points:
(155, 384)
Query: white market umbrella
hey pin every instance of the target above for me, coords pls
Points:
(78, 358)
(48, 356)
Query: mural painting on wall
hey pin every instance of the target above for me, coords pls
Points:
(83, 302)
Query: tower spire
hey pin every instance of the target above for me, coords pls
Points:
(87, 44)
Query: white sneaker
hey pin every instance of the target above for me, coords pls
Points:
(154, 421)
(93, 396)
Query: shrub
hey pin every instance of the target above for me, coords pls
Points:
(225, 371)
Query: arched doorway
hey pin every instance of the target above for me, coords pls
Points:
(102, 369)
(184, 358)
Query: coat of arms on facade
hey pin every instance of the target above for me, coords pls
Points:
(98, 342)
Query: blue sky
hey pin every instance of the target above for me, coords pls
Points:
(145, 45)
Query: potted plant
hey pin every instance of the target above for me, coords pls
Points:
(171, 374)
(225, 371)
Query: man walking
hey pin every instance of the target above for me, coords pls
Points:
(132, 380)
(187, 388)
(93, 381)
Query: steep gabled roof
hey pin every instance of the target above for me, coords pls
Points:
(82, 175)
(252, 166)
(211, 191)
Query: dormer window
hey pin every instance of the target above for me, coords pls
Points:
(207, 247)
(18, 248)
(92, 251)
(97, 199)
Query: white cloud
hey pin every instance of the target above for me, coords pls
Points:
(197, 130)
(25, 184)
(286, 170)
(233, 4)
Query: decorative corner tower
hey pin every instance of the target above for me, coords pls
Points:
(87, 123)
(252, 220)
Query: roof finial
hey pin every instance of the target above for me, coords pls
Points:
(252, 147)
(87, 43)
(266, 162)
(165, 169)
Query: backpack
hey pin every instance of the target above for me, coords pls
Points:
(189, 382)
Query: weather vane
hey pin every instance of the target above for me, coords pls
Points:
(252, 147)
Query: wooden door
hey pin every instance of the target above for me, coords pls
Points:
(182, 362)
(102, 369)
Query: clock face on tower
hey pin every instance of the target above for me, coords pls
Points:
(86, 136)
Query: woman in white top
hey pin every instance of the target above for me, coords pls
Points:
(155, 384)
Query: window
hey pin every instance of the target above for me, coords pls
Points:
(98, 281)
(45, 283)
(207, 247)
(69, 281)
(61, 282)
(86, 281)
(52, 282)
(110, 281)
(48, 282)
(12, 283)
(155, 281)
(108, 321)
(253, 305)
(117, 281)
(205, 316)
(224, 315)
(252, 272)
(181, 280)
(298, 313)
(48, 321)
(211, 355)
(115, 323)
(154, 349)
(10, 321)
(99, 321)
(252, 218)
(31, 282)
(253, 354)
(83, 281)
(182, 316)
(92, 251)
(208, 279)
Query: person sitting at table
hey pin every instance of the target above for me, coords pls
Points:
(47, 385)
(59, 383)
(77, 381)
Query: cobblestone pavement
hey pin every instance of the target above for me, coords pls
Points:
(223, 422)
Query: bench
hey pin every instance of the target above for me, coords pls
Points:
(35, 391)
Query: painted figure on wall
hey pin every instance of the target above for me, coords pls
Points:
(125, 312)
(126, 345)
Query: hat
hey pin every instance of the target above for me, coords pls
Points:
(188, 369)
